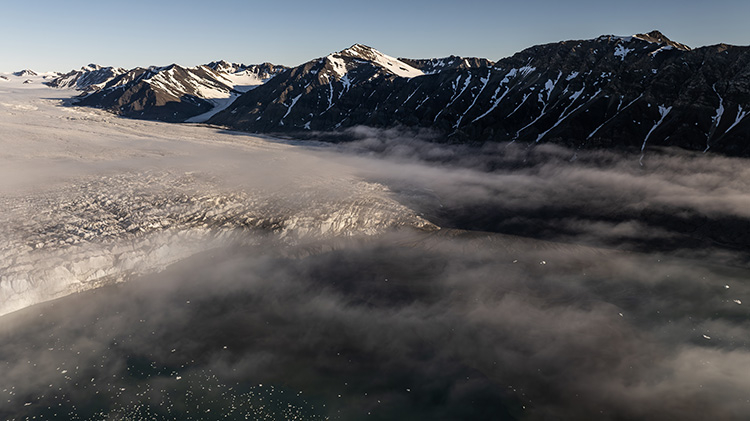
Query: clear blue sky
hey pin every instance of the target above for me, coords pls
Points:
(49, 35)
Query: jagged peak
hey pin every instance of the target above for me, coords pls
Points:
(360, 50)
(265, 68)
(91, 67)
(223, 65)
(654, 37)
(367, 53)
(659, 38)
(25, 72)
(159, 69)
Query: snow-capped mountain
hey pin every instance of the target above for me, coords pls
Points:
(252, 73)
(89, 78)
(25, 73)
(326, 93)
(436, 65)
(628, 92)
(171, 93)
(353, 56)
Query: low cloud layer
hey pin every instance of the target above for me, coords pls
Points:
(576, 285)
(669, 200)
(403, 326)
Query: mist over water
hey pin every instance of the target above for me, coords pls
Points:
(402, 326)
(672, 200)
(562, 285)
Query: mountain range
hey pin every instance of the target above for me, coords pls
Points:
(619, 92)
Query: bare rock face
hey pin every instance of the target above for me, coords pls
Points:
(436, 65)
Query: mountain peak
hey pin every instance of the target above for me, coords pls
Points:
(391, 64)
(359, 46)
(361, 51)
(25, 73)
(659, 38)
(91, 67)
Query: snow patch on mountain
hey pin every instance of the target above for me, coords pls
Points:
(622, 52)
(220, 104)
(392, 64)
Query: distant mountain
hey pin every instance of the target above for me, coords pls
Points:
(88, 78)
(172, 93)
(629, 92)
(258, 72)
(25, 73)
(436, 65)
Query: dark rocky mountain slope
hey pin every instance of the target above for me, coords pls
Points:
(616, 92)
(625, 92)
(356, 86)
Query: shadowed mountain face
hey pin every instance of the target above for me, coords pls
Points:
(622, 92)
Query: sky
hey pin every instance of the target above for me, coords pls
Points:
(47, 35)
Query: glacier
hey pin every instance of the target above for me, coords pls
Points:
(88, 198)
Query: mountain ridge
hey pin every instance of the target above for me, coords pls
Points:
(171, 93)
(630, 93)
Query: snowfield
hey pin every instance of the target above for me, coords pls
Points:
(87, 198)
